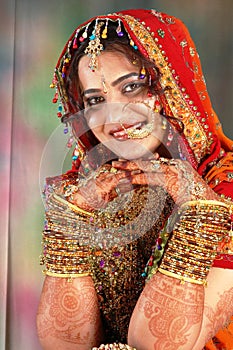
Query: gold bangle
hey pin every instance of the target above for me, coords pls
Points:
(66, 275)
(72, 206)
(182, 278)
(208, 202)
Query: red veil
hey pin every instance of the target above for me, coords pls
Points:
(166, 41)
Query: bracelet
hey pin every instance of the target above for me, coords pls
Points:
(65, 275)
(193, 245)
(114, 346)
(72, 206)
(66, 239)
(206, 203)
(63, 257)
(182, 279)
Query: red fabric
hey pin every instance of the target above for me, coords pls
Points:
(175, 54)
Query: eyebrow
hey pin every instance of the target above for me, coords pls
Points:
(124, 77)
(90, 91)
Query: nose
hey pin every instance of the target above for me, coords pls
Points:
(114, 112)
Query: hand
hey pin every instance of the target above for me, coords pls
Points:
(103, 186)
(177, 177)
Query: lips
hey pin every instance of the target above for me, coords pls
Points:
(121, 134)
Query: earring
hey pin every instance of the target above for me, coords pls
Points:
(169, 136)
(164, 124)
(157, 106)
(181, 154)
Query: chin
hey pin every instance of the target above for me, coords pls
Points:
(135, 153)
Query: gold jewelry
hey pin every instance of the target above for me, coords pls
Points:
(195, 238)
(109, 244)
(145, 130)
(72, 206)
(114, 346)
(142, 133)
(66, 275)
(103, 81)
(105, 31)
(182, 279)
(164, 124)
(94, 47)
(206, 203)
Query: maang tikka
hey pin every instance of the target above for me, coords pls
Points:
(94, 47)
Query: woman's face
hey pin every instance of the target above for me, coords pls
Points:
(116, 102)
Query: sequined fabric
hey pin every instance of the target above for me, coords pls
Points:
(120, 242)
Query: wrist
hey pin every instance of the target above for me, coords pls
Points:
(193, 245)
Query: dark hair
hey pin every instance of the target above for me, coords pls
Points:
(112, 43)
(122, 45)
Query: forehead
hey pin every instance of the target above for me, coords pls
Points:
(111, 65)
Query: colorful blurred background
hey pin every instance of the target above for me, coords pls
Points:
(32, 142)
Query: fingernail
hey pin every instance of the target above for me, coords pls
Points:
(124, 180)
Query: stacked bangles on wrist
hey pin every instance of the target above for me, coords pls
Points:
(114, 346)
(193, 245)
(65, 241)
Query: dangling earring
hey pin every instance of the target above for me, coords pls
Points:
(181, 154)
(169, 136)
(164, 124)
(157, 106)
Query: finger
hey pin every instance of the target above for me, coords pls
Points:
(145, 165)
(124, 185)
(125, 165)
(150, 179)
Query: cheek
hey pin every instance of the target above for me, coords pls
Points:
(97, 127)
(96, 120)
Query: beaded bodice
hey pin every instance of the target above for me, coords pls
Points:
(119, 238)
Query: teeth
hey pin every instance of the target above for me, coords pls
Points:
(122, 132)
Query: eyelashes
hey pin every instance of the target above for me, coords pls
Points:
(130, 89)
(94, 100)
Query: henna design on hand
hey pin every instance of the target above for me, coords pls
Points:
(177, 177)
(99, 190)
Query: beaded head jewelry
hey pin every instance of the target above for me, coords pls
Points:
(94, 47)
(159, 38)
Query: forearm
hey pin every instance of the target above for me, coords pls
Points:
(171, 315)
(172, 304)
(68, 314)
(218, 304)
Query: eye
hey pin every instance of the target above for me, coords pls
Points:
(133, 87)
(94, 100)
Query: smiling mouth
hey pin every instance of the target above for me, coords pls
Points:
(123, 133)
